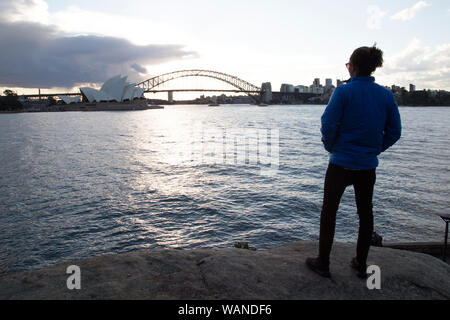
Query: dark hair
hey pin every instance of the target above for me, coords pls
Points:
(366, 60)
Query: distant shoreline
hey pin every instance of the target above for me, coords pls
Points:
(160, 107)
(87, 107)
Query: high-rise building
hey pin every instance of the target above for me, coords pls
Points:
(316, 82)
(395, 88)
(412, 88)
(302, 89)
(328, 83)
(316, 89)
(287, 88)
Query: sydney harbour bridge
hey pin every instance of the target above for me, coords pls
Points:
(234, 85)
(239, 86)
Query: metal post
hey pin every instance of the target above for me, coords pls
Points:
(446, 239)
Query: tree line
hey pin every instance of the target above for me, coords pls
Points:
(9, 101)
(423, 98)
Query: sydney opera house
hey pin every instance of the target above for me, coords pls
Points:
(116, 94)
(116, 89)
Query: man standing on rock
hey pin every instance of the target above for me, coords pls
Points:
(361, 121)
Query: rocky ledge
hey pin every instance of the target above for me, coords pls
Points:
(278, 273)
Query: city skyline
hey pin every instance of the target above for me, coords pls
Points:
(67, 44)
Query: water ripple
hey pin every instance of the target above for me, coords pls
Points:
(75, 185)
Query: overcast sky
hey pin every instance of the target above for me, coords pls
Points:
(62, 44)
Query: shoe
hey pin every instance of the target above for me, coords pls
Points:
(361, 271)
(315, 265)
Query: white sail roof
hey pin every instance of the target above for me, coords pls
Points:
(94, 95)
(132, 92)
(115, 89)
(69, 100)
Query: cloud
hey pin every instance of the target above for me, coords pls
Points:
(35, 54)
(423, 65)
(139, 68)
(24, 10)
(375, 16)
(410, 13)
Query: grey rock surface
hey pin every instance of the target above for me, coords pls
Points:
(278, 273)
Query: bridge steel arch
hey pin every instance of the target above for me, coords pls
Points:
(241, 85)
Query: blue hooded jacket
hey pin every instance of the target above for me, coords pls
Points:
(361, 121)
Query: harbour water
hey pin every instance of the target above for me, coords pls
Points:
(80, 184)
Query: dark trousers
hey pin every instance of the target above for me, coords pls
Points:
(336, 180)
